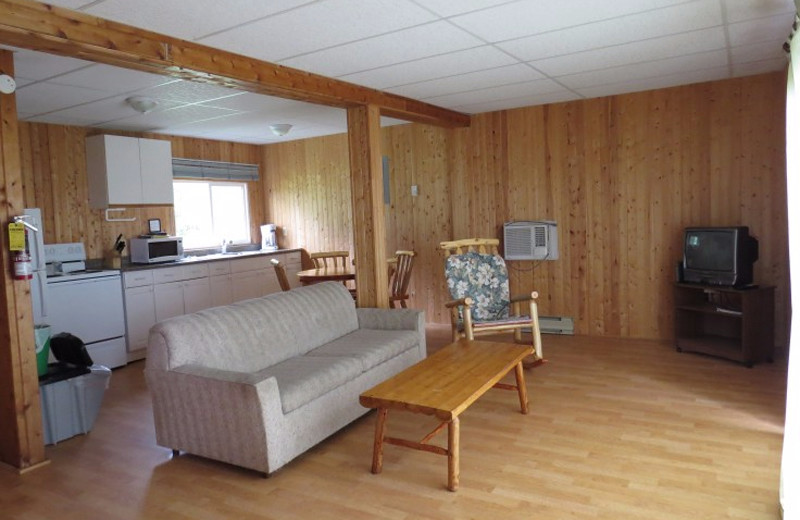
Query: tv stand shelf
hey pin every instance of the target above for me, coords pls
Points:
(735, 324)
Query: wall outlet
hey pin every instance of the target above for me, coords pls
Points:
(414, 190)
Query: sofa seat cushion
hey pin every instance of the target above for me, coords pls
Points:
(304, 378)
(369, 347)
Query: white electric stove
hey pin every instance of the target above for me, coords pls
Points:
(84, 302)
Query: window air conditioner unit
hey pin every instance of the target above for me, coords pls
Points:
(530, 240)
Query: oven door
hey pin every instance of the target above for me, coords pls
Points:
(90, 308)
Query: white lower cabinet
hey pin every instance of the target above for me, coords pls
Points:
(221, 290)
(169, 300)
(140, 315)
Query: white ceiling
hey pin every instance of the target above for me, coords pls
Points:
(467, 55)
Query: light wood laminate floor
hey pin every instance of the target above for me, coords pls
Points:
(617, 429)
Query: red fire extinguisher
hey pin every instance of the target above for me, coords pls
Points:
(23, 269)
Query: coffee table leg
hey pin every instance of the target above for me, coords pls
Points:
(521, 389)
(377, 449)
(452, 454)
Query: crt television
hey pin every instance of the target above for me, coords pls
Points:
(719, 256)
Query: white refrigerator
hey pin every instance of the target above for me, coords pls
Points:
(39, 280)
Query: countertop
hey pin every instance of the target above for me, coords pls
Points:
(192, 258)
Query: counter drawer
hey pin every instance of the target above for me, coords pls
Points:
(138, 278)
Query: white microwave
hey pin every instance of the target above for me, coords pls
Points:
(151, 250)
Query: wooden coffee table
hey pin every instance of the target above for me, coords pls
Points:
(444, 385)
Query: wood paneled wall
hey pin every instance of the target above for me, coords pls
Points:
(55, 179)
(622, 176)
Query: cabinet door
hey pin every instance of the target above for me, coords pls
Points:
(196, 295)
(221, 290)
(140, 315)
(247, 285)
(115, 160)
(155, 157)
(169, 300)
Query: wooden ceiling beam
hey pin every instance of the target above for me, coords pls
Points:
(32, 25)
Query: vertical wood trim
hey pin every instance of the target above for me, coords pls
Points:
(369, 226)
(21, 441)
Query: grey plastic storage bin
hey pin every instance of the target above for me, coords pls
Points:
(70, 407)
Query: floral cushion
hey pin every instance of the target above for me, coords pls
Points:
(483, 278)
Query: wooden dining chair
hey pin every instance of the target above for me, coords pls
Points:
(330, 259)
(280, 272)
(478, 282)
(400, 275)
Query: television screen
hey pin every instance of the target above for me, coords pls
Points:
(719, 256)
(711, 250)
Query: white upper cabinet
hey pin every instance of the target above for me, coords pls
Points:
(128, 171)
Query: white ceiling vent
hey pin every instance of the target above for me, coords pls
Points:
(530, 240)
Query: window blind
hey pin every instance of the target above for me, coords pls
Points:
(213, 170)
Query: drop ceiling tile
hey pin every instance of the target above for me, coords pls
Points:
(650, 83)
(517, 73)
(173, 117)
(397, 47)
(252, 102)
(635, 52)
(530, 88)
(739, 10)
(188, 92)
(39, 98)
(761, 30)
(112, 79)
(450, 8)
(694, 62)
(671, 20)
(334, 22)
(37, 66)
(527, 17)
(517, 102)
(54, 119)
(771, 50)
(459, 62)
(109, 109)
(759, 67)
(189, 19)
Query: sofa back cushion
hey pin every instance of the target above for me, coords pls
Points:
(253, 334)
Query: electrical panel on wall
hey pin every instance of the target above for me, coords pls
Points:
(526, 240)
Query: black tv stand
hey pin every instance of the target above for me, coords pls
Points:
(732, 323)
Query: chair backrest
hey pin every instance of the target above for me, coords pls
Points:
(401, 275)
(305, 260)
(330, 259)
(474, 268)
(280, 272)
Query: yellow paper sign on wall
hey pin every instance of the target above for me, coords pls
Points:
(16, 236)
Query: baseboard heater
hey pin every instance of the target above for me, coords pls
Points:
(555, 325)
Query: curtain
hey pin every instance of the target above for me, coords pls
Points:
(790, 463)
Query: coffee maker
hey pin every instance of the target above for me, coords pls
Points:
(269, 240)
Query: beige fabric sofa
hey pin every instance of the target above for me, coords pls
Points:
(259, 382)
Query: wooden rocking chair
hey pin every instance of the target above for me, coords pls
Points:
(478, 281)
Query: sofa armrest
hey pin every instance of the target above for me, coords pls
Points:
(391, 319)
(200, 410)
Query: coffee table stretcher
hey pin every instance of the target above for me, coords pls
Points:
(444, 385)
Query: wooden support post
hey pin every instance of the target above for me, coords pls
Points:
(21, 440)
(369, 225)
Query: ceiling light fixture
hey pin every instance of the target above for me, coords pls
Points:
(280, 129)
(142, 104)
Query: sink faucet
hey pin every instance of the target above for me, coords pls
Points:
(224, 246)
